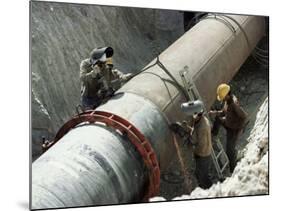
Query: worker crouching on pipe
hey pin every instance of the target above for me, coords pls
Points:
(233, 118)
(198, 133)
(98, 79)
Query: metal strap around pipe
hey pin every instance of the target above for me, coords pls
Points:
(220, 19)
(142, 145)
(162, 66)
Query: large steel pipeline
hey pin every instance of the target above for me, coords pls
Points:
(93, 164)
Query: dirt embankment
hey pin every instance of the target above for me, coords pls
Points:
(63, 34)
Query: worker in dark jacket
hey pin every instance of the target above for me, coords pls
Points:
(97, 76)
(233, 118)
(200, 137)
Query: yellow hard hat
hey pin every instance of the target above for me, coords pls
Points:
(109, 61)
(222, 91)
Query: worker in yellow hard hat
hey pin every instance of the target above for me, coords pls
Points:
(232, 117)
(222, 91)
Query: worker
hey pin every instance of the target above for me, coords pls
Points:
(45, 144)
(199, 135)
(232, 117)
(97, 75)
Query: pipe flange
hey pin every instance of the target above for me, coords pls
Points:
(116, 122)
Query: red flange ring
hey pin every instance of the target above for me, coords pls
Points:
(142, 145)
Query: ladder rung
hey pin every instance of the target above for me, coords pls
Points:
(219, 154)
(218, 144)
(225, 165)
(194, 94)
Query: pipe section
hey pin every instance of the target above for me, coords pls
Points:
(95, 165)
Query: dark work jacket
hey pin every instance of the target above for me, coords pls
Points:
(235, 116)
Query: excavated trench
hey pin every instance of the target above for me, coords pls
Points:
(63, 35)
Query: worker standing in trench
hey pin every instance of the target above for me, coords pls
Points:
(233, 118)
(98, 79)
(199, 135)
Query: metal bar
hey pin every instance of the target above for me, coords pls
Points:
(216, 164)
(218, 155)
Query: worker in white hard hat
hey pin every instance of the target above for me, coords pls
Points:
(199, 131)
(232, 117)
(97, 75)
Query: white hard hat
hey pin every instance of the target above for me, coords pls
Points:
(101, 54)
(192, 107)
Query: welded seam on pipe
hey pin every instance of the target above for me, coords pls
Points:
(225, 22)
(152, 103)
(177, 84)
(215, 53)
(262, 62)
(163, 80)
(172, 98)
(170, 101)
(51, 193)
(108, 169)
(242, 30)
(99, 157)
(67, 167)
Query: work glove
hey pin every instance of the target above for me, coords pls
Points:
(188, 128)
(110, 92)
(127, 76)
(187, 141)
(213, 113)
(179, 129)
(96, 73)
(102, 93)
